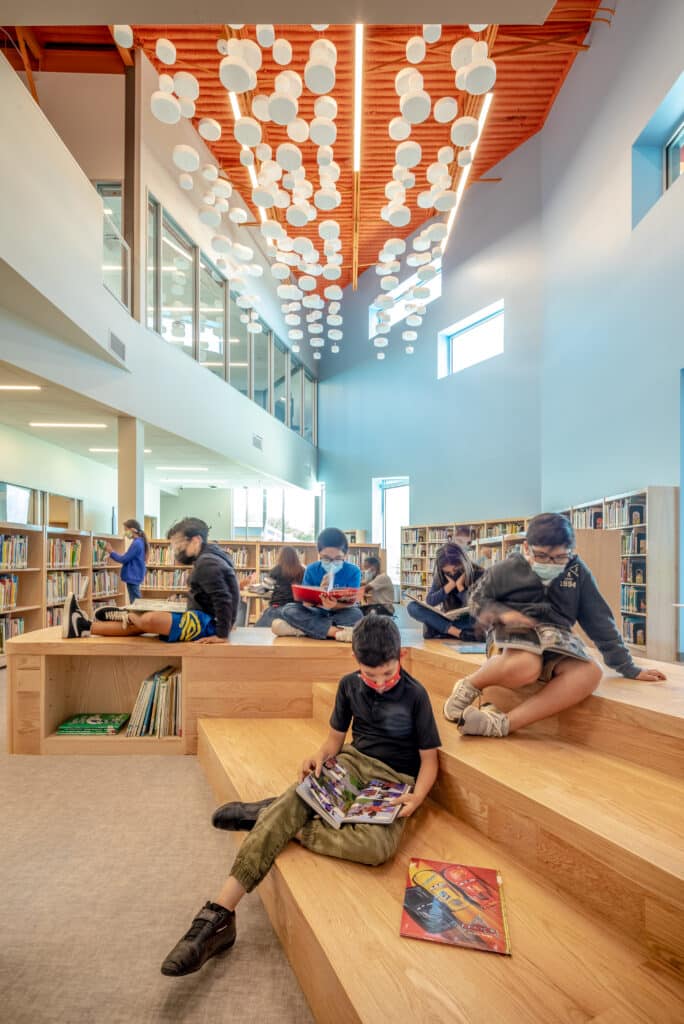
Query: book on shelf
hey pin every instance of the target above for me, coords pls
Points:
(13, 551)
(634, 630)
(106, 582)
(341, 798)
(63, 554)
(93, 725)
(9, 629)
(53, 616)
(157, 710)
(313, 595)
(164, 579)
(452, 614)
(100, 553)
(455, 904)
(9, 592)
(60, 584)
(538, 640)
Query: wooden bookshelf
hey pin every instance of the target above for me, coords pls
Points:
(106, 586)
(68, 570)
(22, 561)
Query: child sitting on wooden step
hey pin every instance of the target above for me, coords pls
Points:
(530, 602)
(394, 738)
(455, 574)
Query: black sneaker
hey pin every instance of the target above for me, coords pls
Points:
(111, 613)
(239, 817)
(211, 933)
(74, 623)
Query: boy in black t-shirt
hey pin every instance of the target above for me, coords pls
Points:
(394, 737)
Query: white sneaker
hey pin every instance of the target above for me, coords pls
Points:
(282, 628)
(462, 695)
(484, 721)
(344, 634)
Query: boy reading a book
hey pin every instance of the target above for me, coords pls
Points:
(545, 586)
(212, 606)
(394, 737)
(334, 619)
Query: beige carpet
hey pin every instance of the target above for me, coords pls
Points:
(103, 863)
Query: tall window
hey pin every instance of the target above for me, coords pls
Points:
(115, 255)
(238, 350)
(274, 513)
(152, 267)
(296, 376)
(212, 318)
(177, 287)
(674, 157)
(309, 417)
(260, 349)
(472, 340)
(280, 379)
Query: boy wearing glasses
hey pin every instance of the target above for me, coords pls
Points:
(333, 619)
(544, 586)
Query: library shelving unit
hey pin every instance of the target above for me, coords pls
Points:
(105, 585)
(356, 536)
(21, 581)
(68, 570)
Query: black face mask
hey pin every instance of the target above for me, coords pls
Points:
(183, 558)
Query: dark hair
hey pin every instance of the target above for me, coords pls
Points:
(453, 554)
(376, 640)
(133, 524)
(372, 560)
(290, 567)
(464, 531)
(331, 537)
(551, 530)
(189, 527)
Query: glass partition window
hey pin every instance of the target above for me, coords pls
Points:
(212, 318)
(177, 287)
(152, 266)
(309, 408)
(261, 344)
(115, 253)
(280, 378)
(674, 157)
(296, 375)
(238, 350)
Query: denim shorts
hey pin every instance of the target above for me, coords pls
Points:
(190, 626)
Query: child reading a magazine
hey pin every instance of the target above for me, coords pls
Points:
(394, 739)
(530, 602)
(454, 575)
(334, 618)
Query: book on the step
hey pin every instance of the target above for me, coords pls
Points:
(453, 613)
(341, 798)
(455, 904)
(345, 595)
(158, 707)
(93, 725)
(538, 640)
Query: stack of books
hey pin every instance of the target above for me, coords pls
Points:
(13, 551)
(157, 710)
(93, 725)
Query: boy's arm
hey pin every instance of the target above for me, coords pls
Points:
(216, 587)
(427, 774)
(596, 619)
(331, 746)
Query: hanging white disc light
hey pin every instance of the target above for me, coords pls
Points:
(165, 107)
(209, 129)
(166, 51)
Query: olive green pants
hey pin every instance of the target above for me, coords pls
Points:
(288, 815)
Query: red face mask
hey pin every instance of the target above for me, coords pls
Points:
(389, 685)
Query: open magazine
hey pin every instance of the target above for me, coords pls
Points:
(345, 595)
(454, 613)
(538, 639)
(341, 798)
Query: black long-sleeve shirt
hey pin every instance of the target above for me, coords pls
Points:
(214, 588)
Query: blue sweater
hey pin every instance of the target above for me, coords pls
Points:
(348, 576)
(132, 562)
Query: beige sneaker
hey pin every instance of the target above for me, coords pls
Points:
(463, 694)
(344, 634)
(484, 721)
(282, 628)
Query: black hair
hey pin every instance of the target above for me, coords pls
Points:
(372, 560)
(133, 524)
(453, 554)
(331, 537)
(376, 640)
(550, 530)
(189, 527)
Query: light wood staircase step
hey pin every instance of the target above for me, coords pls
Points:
(608, 832)
(339, 922)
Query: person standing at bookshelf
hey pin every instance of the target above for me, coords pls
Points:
(545, 585)
(287, 570)
(378, 589)
(455, 574)
(133, 561)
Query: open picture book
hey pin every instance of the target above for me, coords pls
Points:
(346, 595)
(340, 798)
(455, 904)
(454, 613)
(538, 639)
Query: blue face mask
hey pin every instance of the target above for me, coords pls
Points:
(545, 572)
(331, 567)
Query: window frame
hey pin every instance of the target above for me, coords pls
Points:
(447, 337)
(677, 134)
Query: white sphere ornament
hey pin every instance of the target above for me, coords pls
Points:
(396, 246)
(260, 107)
(165, 83)
(399, 129)
(409, 350)
(282, 52)
(210, 172)
(297, 215)
(250, 53)
(236, 75)
(282, 199)
(478, 28)
(327, 199)
(480, 77)
(427, 272)
(221, 243)
(209, 129)
(222, 46)
(187, 107)
(307, 283)
(445, 155)
(186, 85)
(462, 53)
(445, 109)
(237, 215)
(333, 292)
(381, 355)
(280, 271)
(289, 83)
(334, 321)
(295, 334)
(420, 292)
(402, 81)
(319, 76)
(166, 51)
(335, 335)
(282, 108)
(322, 131)
(438, 174)
(331, 273)
(246, 157)
(298, 130)
(389, 282)
(480, 52)
(421, 244)
(123, 36)
(210, 217)
(445, 200)
(460, 78)
(329, 229)
(265, 36)
(263, 196)
(436, 232)
(316, 329)
(399, 217)
(464, 158)
(185, 181)
(209, 199)
(415, 50)
(413, 320)
(269, 172)
(408, 154)
(221, 205)
(432, 33)
(165, 107)
(326, 106)
(293, 319)
(289, 156)
(185, 157)
(415, 106)
(464, 131)
(417, 259)
(324, 156)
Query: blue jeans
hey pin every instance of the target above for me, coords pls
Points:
(315, 622)
(133, 591)
(274, 611)
(435, 624)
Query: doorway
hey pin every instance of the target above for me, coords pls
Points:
(391, 499)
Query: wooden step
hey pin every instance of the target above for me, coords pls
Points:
(607, 831)
(639, 722)
(339, 922)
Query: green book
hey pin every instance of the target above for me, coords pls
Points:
(94, 724)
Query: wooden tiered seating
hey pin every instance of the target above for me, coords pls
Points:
(589, 845)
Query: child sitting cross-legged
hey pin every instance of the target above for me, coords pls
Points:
(545, 586)
(394, 738)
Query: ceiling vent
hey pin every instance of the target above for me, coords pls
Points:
(117, 346)
(258, 442)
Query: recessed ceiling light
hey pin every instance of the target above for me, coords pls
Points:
(20, 387)
(72, 426)
(185, 469)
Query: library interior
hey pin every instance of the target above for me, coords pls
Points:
(255, 280)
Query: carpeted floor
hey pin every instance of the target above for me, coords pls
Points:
(103, 863)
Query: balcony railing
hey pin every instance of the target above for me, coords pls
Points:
(116, 262)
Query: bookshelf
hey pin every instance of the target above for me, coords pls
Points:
(68, 570)
(21, 582)
(106, 586)
(355, 536)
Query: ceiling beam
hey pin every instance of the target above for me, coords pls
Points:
(27, 63)
(32, 43)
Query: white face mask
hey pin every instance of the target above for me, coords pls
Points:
(547, 571)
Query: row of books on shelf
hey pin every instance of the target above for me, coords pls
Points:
(54, 616)
(625, 512)
(413, 579)
(269, 556)
(163, 579)
(63, 554)
(157, 711)
(633, 542)
(107, 581)
(634, 631)
(100, 554)
(632, 570)
(632, 599)
(242, 558)
(9, 628)
(9, 590)
(13, 551)
(61, 584)
(587, 518)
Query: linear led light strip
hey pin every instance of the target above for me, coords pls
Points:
(466, 170)
(358, 93)
(237, 114)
